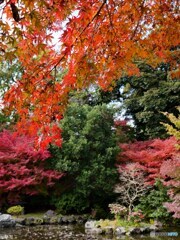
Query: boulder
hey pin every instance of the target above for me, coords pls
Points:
(31, 221)
(90, 224)
(19, 225)
(81, 218)
(7, 221)
(46, 220)
(154, 228)
(20, 221)
(68, 219)
(108, 230)
(133, 230)
(59, 220)
(158, 224)
(5, 217)
(120, 231)
(145, 230)
(93, 231)
(50, 213)
(53, 220)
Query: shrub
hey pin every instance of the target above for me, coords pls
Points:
(151, 204)
(117, 209)
(24, 170)
(15, 210)
(136, 216)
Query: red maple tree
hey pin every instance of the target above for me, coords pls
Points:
(150, 154)
(96, 41)
(23, 169)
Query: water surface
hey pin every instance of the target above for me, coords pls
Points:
(75, 232)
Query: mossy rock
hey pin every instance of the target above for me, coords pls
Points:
(33, 221)
(53, 220)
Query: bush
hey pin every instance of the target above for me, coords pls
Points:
(16, 210)
(70, 202)
(151, 204)
(117, 209)
(136, 216)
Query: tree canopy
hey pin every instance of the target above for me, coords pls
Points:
(147, 96)
(95, 41)
(88, 157)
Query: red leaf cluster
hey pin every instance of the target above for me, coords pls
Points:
(170, 170)
(23, 169)
(150, 154)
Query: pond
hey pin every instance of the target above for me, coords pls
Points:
(75, 232)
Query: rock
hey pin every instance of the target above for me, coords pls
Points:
(59, 220)
(53, 220)
(81, 218)
(20, 221)
(5, 217)
(145, 230)
(50, 213)
(120, 231)
(19, 225)
(90, 224)
(107, 230)
(68, 219)
(38, 221)
(31, 221)
(154, 228)
(158, 224)
(7, 221)
(71, 219)
(46, 220)
(64, 219)
(93, 231)
(133, 230)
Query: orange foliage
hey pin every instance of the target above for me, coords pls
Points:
(98, 41)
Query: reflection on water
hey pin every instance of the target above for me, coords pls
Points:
(69, 232)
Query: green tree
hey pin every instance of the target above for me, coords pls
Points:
(10, 72)
(147, 96)
(87, 156)
(143, 99)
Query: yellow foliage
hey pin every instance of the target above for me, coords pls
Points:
(15, 210)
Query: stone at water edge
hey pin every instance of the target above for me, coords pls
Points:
(145, 230)
(120, 231)
(50, 213)
(32, 221)
(6, 221)
(93, 231)
(5, 217)
(133, 230)
(20, 221)
(107, 230)
(90, 224)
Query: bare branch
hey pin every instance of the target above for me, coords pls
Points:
(131, 186)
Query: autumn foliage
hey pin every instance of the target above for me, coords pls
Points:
(132, 184)
(23, 169)
(96, 41)
(149, 154)
(170, 170)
